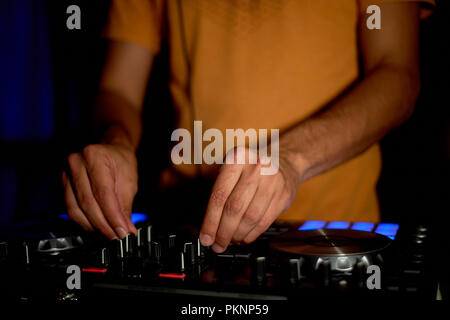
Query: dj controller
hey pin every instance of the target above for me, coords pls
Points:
(288, 262)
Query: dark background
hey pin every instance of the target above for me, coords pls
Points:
(49, 76)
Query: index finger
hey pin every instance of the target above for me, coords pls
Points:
(103, 188)
(221, 190)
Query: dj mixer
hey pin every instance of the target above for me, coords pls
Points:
(289, 261)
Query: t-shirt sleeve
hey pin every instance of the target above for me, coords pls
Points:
(137, 21)
(427, 6)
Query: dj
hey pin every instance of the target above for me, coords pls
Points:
(311, 68)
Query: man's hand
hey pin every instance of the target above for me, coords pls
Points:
(244, 203)
(100, 188)
(101, 182)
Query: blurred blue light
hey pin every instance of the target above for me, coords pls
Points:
(363, 226)
(138, 217)
(312, 225)
(135, 217)
(338, 225)
(387, 229)
(388, 226)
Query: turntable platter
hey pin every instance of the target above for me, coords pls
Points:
(329, 242)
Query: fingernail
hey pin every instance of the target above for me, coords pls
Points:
(205, 239)
(121, 232)
(217, 248)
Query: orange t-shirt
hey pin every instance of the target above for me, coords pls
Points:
(262, 64)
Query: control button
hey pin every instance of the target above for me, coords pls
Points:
(140, 233)
(393, 288)
(201, 249)
(343, 285)
(26, 253)
(104, 257)
(3, 251)
(343, 264)
(242, 256)
(118, 249)
(130, 244)
(182, 261)
(56, 245)
(227, 255)
(412, 270)
(156, 250)
(260, 270)
(171, 241)
(421, 228)
(420, 235)
(144, 236)
(189, 253)
(324, 270)
(295, 266)
(359, 273)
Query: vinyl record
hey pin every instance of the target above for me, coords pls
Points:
(328, 242)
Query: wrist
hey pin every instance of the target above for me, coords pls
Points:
(116, 135)
(295, 159)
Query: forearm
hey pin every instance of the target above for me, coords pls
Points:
(357, 120)
(116, 120)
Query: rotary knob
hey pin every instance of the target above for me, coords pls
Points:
(189, 253)
(3, 251)
(324, 272)
(103, 257)
(130, 244)
(295, 266)
(57, 245)
(119, 249)
(260, 270)
(156, 251)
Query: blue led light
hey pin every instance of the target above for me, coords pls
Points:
(338, 225)
(387, 229)
(135, 217)
(388, 226)
(363, 226)
(312, 225)
(138, 217)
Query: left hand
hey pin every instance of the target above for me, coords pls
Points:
(244, 203)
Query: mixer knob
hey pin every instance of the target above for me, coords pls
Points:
(359, 273)
(104, 257)
(324, 271)
(421, 229)
(171, 241)
(130, 244)
(119, 249)
(140, 238)
(343, 264)
(156, 250)
(181, 261)
(3, 251)
(201, 249)
(189, 252)
(295, 266)
(26, 253)
(144, 236)
(260, 270)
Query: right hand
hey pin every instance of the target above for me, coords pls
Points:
(100, 189)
